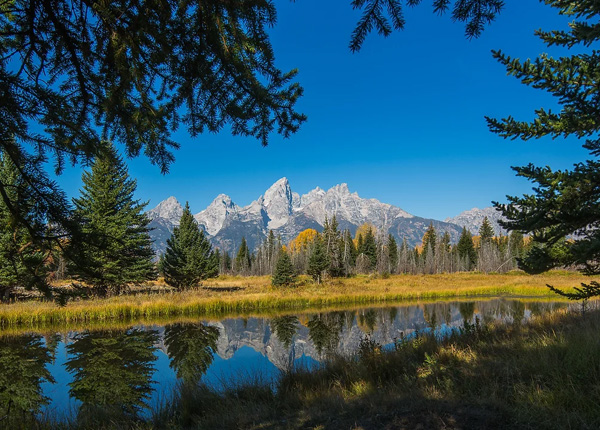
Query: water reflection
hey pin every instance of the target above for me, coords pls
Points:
(190, 347)
(23, 362)
(285, 328)
(112, 372)
(325, 330)
(120, 372)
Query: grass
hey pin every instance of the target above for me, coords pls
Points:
(239, 295)
(543, 375)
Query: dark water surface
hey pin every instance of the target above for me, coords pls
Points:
(137, 368)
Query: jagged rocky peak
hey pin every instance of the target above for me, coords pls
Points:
(473, 218)
(213, 217)
(311, 196)
(169, 209)
(340, 189)
(278, 203)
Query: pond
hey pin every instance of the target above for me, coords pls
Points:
(137, 368)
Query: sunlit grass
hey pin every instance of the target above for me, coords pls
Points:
(240, 295)
(542, 374)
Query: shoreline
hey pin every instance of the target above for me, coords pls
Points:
(229, 296)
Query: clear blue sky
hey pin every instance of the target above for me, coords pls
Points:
(401, 121)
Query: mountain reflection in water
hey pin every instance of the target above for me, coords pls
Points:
(124, 373)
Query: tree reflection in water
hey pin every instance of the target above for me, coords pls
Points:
(112, 373)
(23, 361)
(191, 348)
(285, 328)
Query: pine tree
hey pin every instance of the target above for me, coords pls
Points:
(189, 257)
(486, 231)
(317, 262)
(565, 202)
(284, 274)
(370, 248)
(466, 249)
(136, 79)
(118, 250)
(348, 252)
(331, 239)
(392, 248)
(22, 259)
(243, 259)
(429, 240)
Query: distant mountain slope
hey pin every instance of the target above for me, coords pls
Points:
(287, 213)
(473, 218)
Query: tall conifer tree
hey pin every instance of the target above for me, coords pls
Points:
(284, 274)
(429, 240)
(119, 249)
(565, 202)
(466, 249)
(22, 258)
(392, 249)
(189, 257)
(486, 231)
(317, 262)
(243, 259)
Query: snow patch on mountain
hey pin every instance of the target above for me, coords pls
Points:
(473, 218)
(213, 217)
(169, 210)
(287, 213)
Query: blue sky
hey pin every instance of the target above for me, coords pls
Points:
(401, 121)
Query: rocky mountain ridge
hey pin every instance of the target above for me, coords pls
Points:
(287, 213)
(473, 218)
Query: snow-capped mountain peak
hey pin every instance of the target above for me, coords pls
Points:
(278, 203)
(213, 217)
(287, 213)
(473, 218)
(169, 209)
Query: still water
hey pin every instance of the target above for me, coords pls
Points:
(57, 374)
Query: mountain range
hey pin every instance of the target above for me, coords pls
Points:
(287, 213)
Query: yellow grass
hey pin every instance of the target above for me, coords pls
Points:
(227, 295)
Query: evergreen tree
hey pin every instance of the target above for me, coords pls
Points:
(225, 263)
(119, 249)
(466, 249)
(136, 76)
(189, 257)
(317, 262)
(370, 248)
(243, 259)
(22, 259)
(284, 274)
(429, 240)
(331, 239)
(348, 252)
(565, 202)
(486, 231)
(392, 248)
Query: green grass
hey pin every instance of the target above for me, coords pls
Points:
(542, 374)
(242, 295)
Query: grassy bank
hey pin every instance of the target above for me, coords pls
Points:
(540, 375)
(231, 295)
(543, 374)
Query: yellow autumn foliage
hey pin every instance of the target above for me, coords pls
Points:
(363, 230)
(304, 239)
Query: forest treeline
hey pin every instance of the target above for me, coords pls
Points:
(117, 250)
(336, 253)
